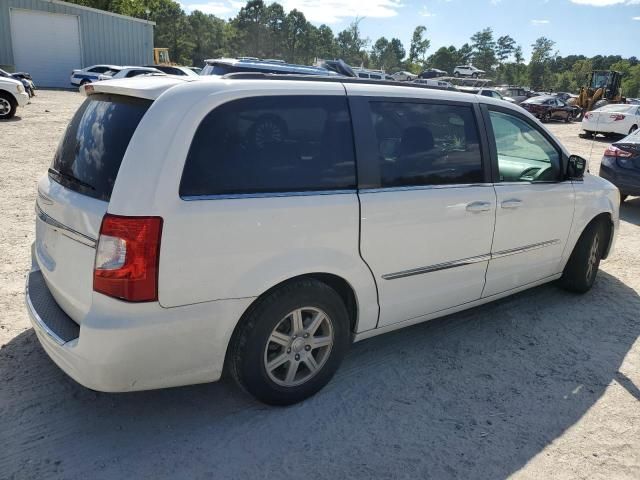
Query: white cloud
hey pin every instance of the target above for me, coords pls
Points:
(540, 22)
(635, 18)
(333, 11)
(318, 11)
(426, 13)
(605, 3)
(220, 9)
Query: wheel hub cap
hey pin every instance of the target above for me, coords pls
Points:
(298, 346)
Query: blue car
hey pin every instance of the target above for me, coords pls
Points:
(91, 74)
(621, 165)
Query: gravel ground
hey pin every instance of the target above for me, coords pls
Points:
(544, 384)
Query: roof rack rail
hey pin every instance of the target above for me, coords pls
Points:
(324, 78)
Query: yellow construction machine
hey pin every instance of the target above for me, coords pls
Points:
(604, 87)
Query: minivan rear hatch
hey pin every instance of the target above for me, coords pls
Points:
(74, 195)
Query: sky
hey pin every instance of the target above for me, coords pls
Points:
(588, 27)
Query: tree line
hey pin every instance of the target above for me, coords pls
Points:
(268, 31)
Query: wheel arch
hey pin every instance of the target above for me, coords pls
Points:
(341, 286)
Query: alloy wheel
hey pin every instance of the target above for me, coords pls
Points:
(298, 346)
(5, 107)
(594, 257)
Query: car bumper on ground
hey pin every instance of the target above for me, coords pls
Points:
(627, 181)
(123, 347)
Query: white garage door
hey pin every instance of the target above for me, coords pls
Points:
(47, 45)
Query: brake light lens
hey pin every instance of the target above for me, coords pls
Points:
(587, 116)
(613, 151)
(617, 117)
(127, 258)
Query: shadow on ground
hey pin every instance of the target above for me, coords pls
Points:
(473, 395)
(630, 210)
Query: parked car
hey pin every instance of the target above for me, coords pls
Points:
(404, 76)
(565, 96)
(223, 66)
(547, 108)
(433, 73)
(612, 119)
(128, 72)
(467, 71)
(12, 96)
(174, 70)
(154, 266)
(23, 78)
(621, 165)
(434, 83)
(633, 101)
(92, 74)
(196, 70)
(486, 92)
(373, 74)
(518, 94)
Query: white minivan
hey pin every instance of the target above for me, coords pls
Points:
(257, 225)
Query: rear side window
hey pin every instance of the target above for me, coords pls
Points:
(426, 144)
(272, 144)
(90, 153)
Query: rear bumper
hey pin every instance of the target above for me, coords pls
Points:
(123, 346)
(627, 181)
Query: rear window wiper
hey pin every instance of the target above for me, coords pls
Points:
(71, 178)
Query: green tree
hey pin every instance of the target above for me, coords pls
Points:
(419, 46)
(351, 45)
(296, 29)
(539, 70)
(251, 24)
(484, 49)
(275, 22)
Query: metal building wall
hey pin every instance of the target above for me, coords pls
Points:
(105, 38)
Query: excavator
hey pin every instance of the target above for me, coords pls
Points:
(603, 88)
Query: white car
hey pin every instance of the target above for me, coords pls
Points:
(467, 71)
(129, 72)
(434, 83)
(621, 119)
(404, 76)
(12, 96)
(92, 74)
(175, 70)
(225, 227)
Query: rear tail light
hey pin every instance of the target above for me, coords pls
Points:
(127, 257)
(587, 116)
(617, 116)
(613, 151)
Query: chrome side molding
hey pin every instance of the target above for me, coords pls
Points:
(437, 267)
(468, 261)
(64, 230)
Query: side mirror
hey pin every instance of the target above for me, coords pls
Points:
(576, 168)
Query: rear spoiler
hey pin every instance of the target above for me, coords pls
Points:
(149, 87)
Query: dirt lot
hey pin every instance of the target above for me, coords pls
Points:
(544, 384)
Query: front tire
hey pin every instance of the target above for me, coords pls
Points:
(290, 343)
(8, 106)
(581, 269)
(633, 129)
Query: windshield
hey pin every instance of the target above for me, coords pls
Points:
(90, 152)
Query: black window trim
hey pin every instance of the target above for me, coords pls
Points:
(368, 168)
(280, 194)
(493, 152)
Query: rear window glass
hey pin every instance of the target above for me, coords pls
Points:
(272, 144)
(90, 152)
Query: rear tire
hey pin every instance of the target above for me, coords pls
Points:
(8, 106)
(633, 129)
(580, 272)
(279, 330)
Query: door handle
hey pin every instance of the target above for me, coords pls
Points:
(511, 203)
(476, 207)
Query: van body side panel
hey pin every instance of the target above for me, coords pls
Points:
(222, 248)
